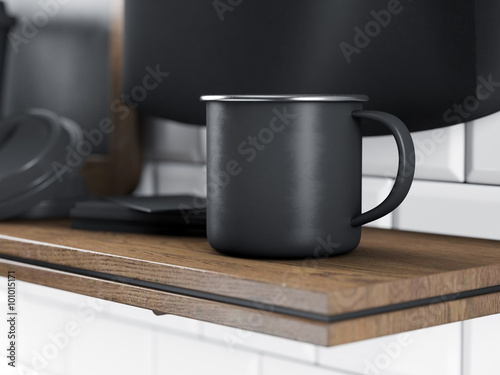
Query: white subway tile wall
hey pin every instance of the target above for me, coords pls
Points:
(149, 179)
(439, 154)
(181, 178)
(173, 141)
(483, 150)
(451, 208)
(375, 190)
(203, 142)
(94, 10)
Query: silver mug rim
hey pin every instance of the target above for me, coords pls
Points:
(284, 98)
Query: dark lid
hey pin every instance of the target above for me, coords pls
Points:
(29, 146)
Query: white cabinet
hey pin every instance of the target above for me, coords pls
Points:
(186, 356)
(482, 346)
(234, 338)
(430, 351)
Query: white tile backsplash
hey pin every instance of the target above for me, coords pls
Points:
(173, 141)
(483, 150)
(380, 156)
(375, 190)
(439, 154)
(234, 338)
(430, 351)
(60, 11)
(451, 208)
(482, 346)
(181, 178)
(203, 142)
(147, 183)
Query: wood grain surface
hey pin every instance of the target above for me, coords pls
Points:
(388, 267)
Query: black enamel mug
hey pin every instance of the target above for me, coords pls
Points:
(284, 174)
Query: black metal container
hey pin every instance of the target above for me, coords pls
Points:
(284, 174)
(6, 23)
(420, 60)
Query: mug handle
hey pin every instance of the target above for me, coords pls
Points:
(406, 168)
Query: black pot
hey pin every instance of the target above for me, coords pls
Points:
(415, 59)
(6, 23)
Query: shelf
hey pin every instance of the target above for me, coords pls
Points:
(394, 282)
